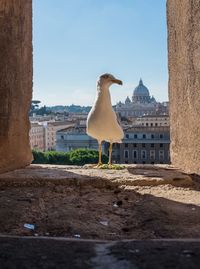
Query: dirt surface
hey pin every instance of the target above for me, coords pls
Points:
(87, 203)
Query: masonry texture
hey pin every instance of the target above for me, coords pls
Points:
(15, 82)
(184, 82)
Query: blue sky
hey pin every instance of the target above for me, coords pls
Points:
(75, 41)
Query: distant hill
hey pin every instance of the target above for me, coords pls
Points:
(71, 108)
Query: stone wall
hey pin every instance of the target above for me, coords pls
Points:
(184, 82)
(15, 82)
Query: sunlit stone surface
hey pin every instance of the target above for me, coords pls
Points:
(15, 82)
(184, 82)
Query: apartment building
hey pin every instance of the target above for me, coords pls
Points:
(143, 145)
(74, 137)
(37, 136)
(152, 120)
(50, 132)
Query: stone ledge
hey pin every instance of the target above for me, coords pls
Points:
(132, 175)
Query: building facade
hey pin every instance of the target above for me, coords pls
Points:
(143, 145)
(37, 136)
(50, 132)
(141, 103)
(152, 120)
(43, 134)
(75, 137)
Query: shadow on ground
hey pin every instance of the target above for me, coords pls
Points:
(60, 253)
(71, 204)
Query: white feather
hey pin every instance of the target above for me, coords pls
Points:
(102, 121)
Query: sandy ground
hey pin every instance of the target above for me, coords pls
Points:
(91, 204)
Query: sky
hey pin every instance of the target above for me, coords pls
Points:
(75, 41)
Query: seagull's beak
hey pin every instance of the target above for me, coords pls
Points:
(117, 81)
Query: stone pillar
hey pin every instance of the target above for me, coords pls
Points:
(184, 82)
(15, 82)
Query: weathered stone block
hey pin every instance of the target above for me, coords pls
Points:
(15, 82)
(184, 82)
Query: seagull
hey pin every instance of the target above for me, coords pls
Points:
(102, 121)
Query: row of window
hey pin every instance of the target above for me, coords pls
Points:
(143, 154)
(155, 124)
(133, 113)
(143, 145)
(36, 137)
(52, 139)
(158, 119)
(144, 136)
(33, 131)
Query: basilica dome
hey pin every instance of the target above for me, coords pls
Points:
(141, 90)
(141, 94)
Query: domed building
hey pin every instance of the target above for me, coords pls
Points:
(141, 94)
(142, 103)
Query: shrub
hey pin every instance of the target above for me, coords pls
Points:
(55, 157)
(39, 157)
(85, 156)
(74, 157)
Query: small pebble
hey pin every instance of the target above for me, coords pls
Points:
(105, 223)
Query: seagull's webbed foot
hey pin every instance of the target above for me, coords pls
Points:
(110, 165)
(98, 165)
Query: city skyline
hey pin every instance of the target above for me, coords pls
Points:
(71, 49)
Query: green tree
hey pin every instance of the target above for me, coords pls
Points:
(34, 106)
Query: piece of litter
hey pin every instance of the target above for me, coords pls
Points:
(105, 223)
(115, 205)
(36, 234)
(77, 236)
(193, 208)
(29, 226)
(47, 234)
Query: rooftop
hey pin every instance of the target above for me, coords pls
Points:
(60, 123)
(74, 129)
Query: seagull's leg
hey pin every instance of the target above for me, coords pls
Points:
(100, 154)
(110, 155)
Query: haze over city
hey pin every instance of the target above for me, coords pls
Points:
(76, 41)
